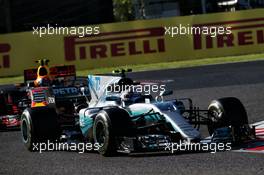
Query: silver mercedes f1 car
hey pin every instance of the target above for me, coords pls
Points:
(121, 120)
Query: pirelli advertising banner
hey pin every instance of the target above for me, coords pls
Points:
(136, 42)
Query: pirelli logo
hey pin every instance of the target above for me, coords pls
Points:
(4, 55)
(244, 32)
(115, 44)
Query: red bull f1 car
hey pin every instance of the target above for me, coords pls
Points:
(53, 89)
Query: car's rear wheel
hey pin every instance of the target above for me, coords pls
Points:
(109, 124)
(39, 125)
(103, 135)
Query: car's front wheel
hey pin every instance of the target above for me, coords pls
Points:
(226, 112)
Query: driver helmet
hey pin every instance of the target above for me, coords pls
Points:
(43, 78)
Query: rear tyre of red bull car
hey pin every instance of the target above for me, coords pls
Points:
(39, 125)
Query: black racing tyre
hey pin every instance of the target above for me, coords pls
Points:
(39, 125)
(109, 124)
(225, 112)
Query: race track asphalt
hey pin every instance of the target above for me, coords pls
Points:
(202, 84)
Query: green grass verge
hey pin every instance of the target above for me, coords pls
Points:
(158, 66)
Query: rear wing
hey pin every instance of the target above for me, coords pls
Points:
(55, 72)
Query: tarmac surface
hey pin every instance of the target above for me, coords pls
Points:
(203, 84)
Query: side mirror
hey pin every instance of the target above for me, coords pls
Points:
(83, 90)
(159, 98)
(166, 93)
(84, 93)
(30, 84)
